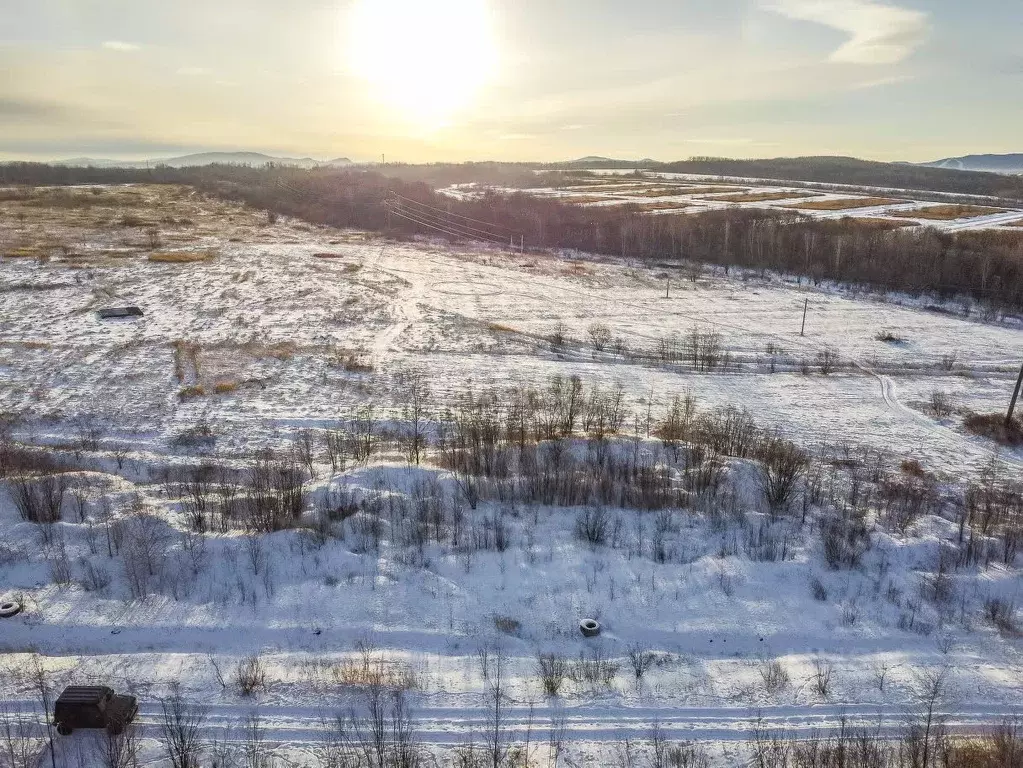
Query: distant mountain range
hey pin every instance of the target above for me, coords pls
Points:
(206, 158)
(1011, 164)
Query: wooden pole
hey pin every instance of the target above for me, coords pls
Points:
(806, 306)
(1015, 397)
(667, 289)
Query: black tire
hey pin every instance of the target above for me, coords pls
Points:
(589, 627)
(9, 608)
(64, 730)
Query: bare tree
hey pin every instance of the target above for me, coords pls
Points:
(929, 688)
(117, 750)
(414, 390)
(491, 663)
(21, 739)
(181, 727)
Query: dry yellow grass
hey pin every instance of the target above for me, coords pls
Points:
(584, 199)
(25, 345)
(663, 206)
(225, 387)
(179, 257)
(197, 390)
(845, 204)
(947, 212)
(27, 252)
(762, 197)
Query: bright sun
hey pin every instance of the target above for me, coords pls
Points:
(425, 58)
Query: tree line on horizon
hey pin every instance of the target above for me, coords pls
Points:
(983, 265)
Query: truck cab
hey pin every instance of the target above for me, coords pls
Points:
(93, 706)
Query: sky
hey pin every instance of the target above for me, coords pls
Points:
(453, 80)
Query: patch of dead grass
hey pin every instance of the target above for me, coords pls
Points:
(844, 204)
(993, 427)
(947, 212)
(586, 199)
(179, 257)
(762, 197)
(665, 205)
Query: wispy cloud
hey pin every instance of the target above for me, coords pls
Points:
(878, 33)
(883, 81)
(120, 45)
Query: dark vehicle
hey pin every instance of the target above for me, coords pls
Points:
(93, 706)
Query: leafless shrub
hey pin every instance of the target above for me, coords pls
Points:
(827, 360)
(600, 336)
(880, 672)
(1002, 614)
(250, 675)
(775, 676)
(379, 733)
(39, 499)
(940, 404)
(507, 625)
(846, 539)
(667, 754)
(557, 335)
(552, 669)
(823, 671)
(592, 525)
(118, 750)
(818, 590)
(21, 739)
(641, 660)
(783, 463)
(949, 360)
(180, 725)
(593, 668)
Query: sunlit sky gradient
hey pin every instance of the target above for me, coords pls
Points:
(424, 80)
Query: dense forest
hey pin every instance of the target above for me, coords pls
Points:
(986, 266)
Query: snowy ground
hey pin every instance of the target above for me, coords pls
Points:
(299, 326)
(673, 193)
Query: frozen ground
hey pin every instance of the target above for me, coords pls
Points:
(673, 193)
(300, 327)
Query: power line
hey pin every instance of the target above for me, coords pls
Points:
(442, 220)
(448, 229)
(455, 215)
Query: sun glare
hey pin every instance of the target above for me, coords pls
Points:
(427, 59)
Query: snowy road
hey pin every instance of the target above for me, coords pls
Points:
(295, 726)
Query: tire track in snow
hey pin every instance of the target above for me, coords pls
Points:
(446, 726)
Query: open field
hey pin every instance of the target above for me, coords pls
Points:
(948, 212)
(844, 204)
(700, 194)
(378, 465)
(762, 197)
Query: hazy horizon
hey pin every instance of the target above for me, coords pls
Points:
(463, 80)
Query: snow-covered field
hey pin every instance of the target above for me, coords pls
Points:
(673, 193)
(284, 330)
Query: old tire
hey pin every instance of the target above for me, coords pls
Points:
(9, 608)
(64, 730)
(589, 627)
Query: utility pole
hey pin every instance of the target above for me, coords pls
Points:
(1015, 397)
(806, 306)
(667, 288)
